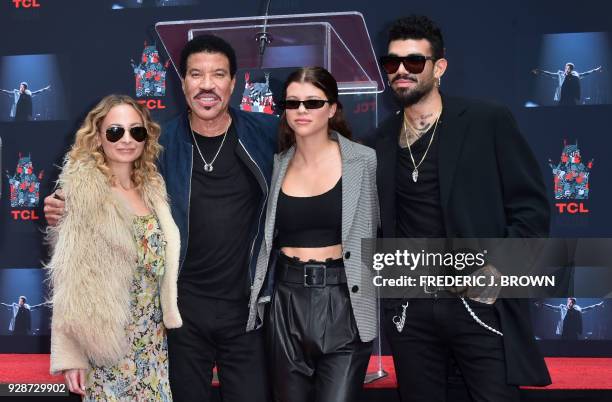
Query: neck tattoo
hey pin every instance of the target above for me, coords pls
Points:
(422, 121)
(412, 134)
(420, 125)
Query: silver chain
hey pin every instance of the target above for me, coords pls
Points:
(478, 320)
(400, 320)
(208, 167)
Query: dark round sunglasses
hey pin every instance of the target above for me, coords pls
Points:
(413, 63)
(115, 133)
(308, 103)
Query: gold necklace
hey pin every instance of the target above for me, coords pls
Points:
(415, 172)
(126, 188)
(118, 183)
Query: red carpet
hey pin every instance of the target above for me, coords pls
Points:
(567, 373)
(28, 368)
(580, 373)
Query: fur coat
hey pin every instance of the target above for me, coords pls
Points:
(92, 266)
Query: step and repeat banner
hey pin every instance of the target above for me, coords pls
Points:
(552, 65)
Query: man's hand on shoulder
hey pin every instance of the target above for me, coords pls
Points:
(54, 207)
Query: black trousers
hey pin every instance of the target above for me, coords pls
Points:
(213, 332)
(316, 353)
(438, 329)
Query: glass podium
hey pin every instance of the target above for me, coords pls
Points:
(339, 42)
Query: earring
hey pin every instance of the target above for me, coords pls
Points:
(439, 82)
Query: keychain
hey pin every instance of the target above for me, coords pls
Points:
(400, 321)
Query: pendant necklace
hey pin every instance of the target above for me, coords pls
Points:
(415, 172)
(208, 166)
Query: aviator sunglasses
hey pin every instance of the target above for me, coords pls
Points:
(308, 103)
(115, 133)
(413, 63)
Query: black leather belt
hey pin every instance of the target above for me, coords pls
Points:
(310, 275)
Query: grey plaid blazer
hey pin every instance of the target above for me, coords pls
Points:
(360, 219)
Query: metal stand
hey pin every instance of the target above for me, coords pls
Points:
(379, 373)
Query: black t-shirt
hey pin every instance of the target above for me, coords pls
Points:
(419, 212)
(223, 204)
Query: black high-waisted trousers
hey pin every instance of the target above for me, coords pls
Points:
(316, 354)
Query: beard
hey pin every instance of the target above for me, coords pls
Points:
(410, 96)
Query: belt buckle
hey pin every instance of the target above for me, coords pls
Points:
(315, 275)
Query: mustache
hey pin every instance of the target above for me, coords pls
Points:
(207, 92)
(404, 77)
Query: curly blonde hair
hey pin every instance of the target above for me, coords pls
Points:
(87, 147)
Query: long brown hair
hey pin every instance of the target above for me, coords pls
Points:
(322, 79)
(86, 146)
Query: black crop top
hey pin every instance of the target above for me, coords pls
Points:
(310, 221)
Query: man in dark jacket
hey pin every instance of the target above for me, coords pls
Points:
(21, 109)
(449, 168)
(21, 319)
(569, 325)
(568, 83)
(217, 164)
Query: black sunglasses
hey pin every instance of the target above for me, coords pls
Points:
(413, 63)
(308, 103)
(115, 133)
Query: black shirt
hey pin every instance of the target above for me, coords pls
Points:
(310, 221)
(223, 204)
(419, 212)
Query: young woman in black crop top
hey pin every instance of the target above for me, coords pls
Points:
(318, 352)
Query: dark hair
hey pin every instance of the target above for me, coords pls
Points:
(572, 299)
(571, 66)
(322, 79)
(207, 44)
(25, 299)
(25, 85)
(418, 27)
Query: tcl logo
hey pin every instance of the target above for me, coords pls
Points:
(571, 208)
(25, 215)
(26, 3)
(152, 104)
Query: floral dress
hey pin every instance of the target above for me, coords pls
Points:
(142, 375)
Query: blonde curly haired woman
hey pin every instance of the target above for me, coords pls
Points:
(114, 263)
